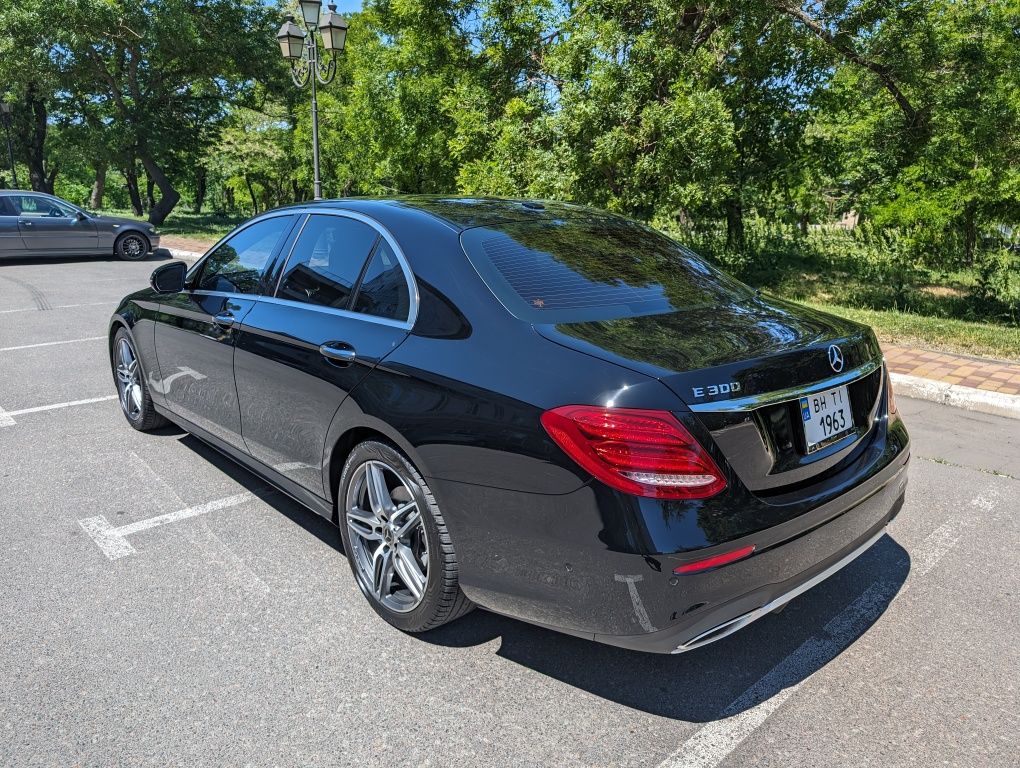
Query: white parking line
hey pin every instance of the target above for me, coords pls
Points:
(113, 541)
(714, 742)
(51, 343)
(59, 306)
(7, 420)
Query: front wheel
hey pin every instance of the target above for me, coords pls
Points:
(396, 540)
(132, 390)
(131, 246)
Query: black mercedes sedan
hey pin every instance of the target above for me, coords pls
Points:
(34, 224)
(548, 411)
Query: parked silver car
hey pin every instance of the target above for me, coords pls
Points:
(36, 224)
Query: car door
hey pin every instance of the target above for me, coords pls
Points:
(48, 224)
(197, 328)
(344, 300)
(10, 238)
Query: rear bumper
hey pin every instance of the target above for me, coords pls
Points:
(751, 589)
(540, 574)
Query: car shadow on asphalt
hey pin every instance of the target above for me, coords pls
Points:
(297, 513)
(719, 680)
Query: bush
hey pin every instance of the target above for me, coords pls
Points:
(869, 267)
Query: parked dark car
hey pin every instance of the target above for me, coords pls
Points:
(549, 411)
(37, 224)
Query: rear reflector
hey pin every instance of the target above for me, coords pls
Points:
(888, 389)
(714, 562)
(641, 452)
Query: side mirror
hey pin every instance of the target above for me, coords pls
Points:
(169, 278)
(81, 216)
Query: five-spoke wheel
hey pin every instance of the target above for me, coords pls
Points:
(129, 383)
(396, 540)
(130, 380)
(389, 544)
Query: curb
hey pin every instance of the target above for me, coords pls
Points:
(968, 398)
(191, 256)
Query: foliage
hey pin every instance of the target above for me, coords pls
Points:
(750, 126)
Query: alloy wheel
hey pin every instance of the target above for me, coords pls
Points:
(129, 382)
(133, 246)
(387, 534)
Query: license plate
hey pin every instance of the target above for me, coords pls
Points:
(826, 416)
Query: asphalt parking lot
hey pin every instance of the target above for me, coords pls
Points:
(228, 630)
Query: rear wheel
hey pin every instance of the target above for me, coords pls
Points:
(396, 540)
(131, 246)
(131, 387)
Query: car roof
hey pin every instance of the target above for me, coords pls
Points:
(459, 213)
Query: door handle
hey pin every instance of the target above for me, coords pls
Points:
(224, 320)
(338, 352)
(27, 223)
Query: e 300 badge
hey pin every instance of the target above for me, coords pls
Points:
(716, 389)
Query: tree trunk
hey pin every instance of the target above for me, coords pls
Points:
(251, 193)
(169, 197)
(150, 189)
(296, 191)
(200, 176)
(36, 145)
(804, 221)
(131, 177)
(98, 187)
(734, 225)
(230, 200)
(969, 232)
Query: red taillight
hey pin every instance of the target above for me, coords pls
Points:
(645, 453)
(888, 388)
(714, 562)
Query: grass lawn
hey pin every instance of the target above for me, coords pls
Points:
(197, 226)
(943, 335)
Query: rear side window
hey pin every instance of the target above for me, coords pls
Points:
(326, 261)
(383, 291)
(237, 264)
(599, 267)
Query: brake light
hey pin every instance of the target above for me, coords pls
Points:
(714, 562)
(888, 388)
(641, 452)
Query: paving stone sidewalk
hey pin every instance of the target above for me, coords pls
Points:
(184, 245)
(962, 370)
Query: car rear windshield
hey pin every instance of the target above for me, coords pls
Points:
(597, 268)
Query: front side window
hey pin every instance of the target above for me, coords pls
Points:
(36, 205)
(237, 264)
(383, 291)
(326, 261)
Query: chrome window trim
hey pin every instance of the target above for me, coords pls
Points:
(412, 284)
(751, 402)
(403, 324)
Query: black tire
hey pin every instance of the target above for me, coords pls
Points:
(132, 246)
(137, 407)
(442, 600)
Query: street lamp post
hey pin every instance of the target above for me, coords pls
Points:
(5, 116)
(301, 49)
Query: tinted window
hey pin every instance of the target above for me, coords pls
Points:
(237, 264)
(34, 205)
(598, 267)
(383, 291)
(326, 261)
